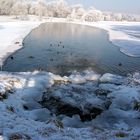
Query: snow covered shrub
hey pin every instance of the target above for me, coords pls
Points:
(77, 12)
(19, 136)
(5, 6)
(61, 9)
(20, 9)
(93, 15)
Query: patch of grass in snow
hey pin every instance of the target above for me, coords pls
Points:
(56, 122)
(121, 134)
(10, 109)
(136, 105)
(3, 96)
(19, 136)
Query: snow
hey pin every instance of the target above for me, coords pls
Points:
(26, 89)
(12, 34)
(23, 116)
(115, 79)
(83, 77)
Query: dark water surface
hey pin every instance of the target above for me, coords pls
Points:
(62, 47)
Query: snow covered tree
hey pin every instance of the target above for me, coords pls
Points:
(106, 16)
(5, 6)
(64, 9)
(78, 12)
(93, 15)
(61, 9)
(118, 17)
(19, 9)
(40, 8)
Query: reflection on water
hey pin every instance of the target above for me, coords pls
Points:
(62, 48)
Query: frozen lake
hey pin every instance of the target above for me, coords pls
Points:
(62, 48)
(133, 30)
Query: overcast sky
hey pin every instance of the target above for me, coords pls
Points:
(127, 6)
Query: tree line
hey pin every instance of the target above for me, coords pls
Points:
(60, 9)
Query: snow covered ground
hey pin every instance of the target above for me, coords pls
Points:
(23, 117)
(113, 101)
(12, 34)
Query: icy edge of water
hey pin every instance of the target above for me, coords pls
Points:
(128, 44)
(12, 35)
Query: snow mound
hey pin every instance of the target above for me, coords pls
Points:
(87, 75)
(24, 117)
(115, 79)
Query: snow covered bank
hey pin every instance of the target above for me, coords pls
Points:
(12, 34)
(23, 116)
